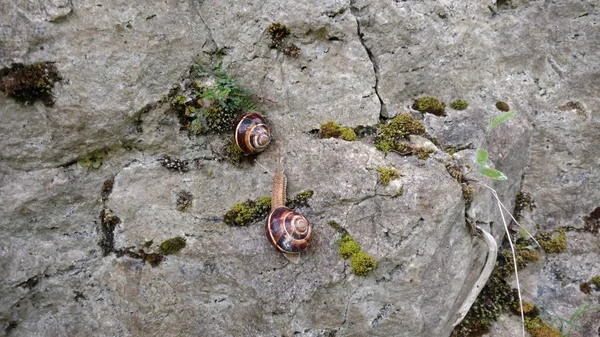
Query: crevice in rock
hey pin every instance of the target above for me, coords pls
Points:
(108, 220)
(354, 10)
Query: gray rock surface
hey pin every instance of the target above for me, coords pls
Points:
(359, 60)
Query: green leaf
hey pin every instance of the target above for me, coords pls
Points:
(493, 174)
(482, 158)
(96, 163)
(501, 119)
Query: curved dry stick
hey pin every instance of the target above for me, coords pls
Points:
(490, 262)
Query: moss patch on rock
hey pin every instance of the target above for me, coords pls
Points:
(538, 328)
(459, 104)
(279, 34)
(184, 200)
(553, 243)
(502, 106)
(331, 129)
(247, 212)
(393, 135)
(361, 263)
(172, 246)
(596, 281)
(387, 174)
(28, 83)
(299, 200)
(429, 104)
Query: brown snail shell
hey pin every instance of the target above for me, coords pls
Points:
(252, 134)
(288, 231)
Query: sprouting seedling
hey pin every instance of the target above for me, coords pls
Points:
(481, 158)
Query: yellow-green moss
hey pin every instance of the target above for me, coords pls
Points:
(387, 174)
(348, 248)
(362, 263)
(279, 34)
(502, 106)
(392, 136)
(538, 328)
(92, 160)
(459, 104)
(467, 192)
(245, 213)
(331, 129)
(429, 104)
(528, 307)
(172, 246)
(553, 243)
(349, 135)
(596, 281)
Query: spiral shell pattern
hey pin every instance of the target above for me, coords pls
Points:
(252, 134)
(288, 231)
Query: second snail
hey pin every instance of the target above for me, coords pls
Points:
(252, 134)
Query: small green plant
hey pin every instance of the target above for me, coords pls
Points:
(424, 153)
(481, 157)
(92, 160)
(429, 104)
(596, 281)
(348, 247)
(247, 212)
(386, 175)
(172, 246)
(459, 104)
(361, 263)
(567, 325)
(299, 200)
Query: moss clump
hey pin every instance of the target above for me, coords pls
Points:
(299, 200)
(331, 129)
(596, 281)
(232, 153)
(247, 212)
(172, 246)
(387, 174)
(399, 192)
(28, 83)
(153, 259)
(553, 243)
(362, 263)
(424, 153)
(467, 192)
(459, 104)
(184, 200)
(585, 288)
(279, 34)
(348, 248)
(349, 135)
(392, 136)
(429, 104)
(502, 106)
(528, 307)
(538, 328)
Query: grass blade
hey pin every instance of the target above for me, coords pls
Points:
(500, 119)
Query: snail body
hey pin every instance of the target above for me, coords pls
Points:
(252, 134)
(287, 230)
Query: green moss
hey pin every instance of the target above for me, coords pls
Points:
(467, 192)
(232, 153)
(28, 83)
(596, 281)
(331, 129)
(178, 102)
(459, 104)
(399, 192)
(349, 135)
(392, 136)
(172, 246)
(153, 259)
(348, 248)
(184, 200)
(424, 153)
(387, 174)
(362, 263)
(429, 104)
(299, 200)
(538, 328)
(502, 106)
(528, 307)
(247, 212)
(553, 243)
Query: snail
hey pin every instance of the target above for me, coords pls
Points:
(252, 134)
(288, 231)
